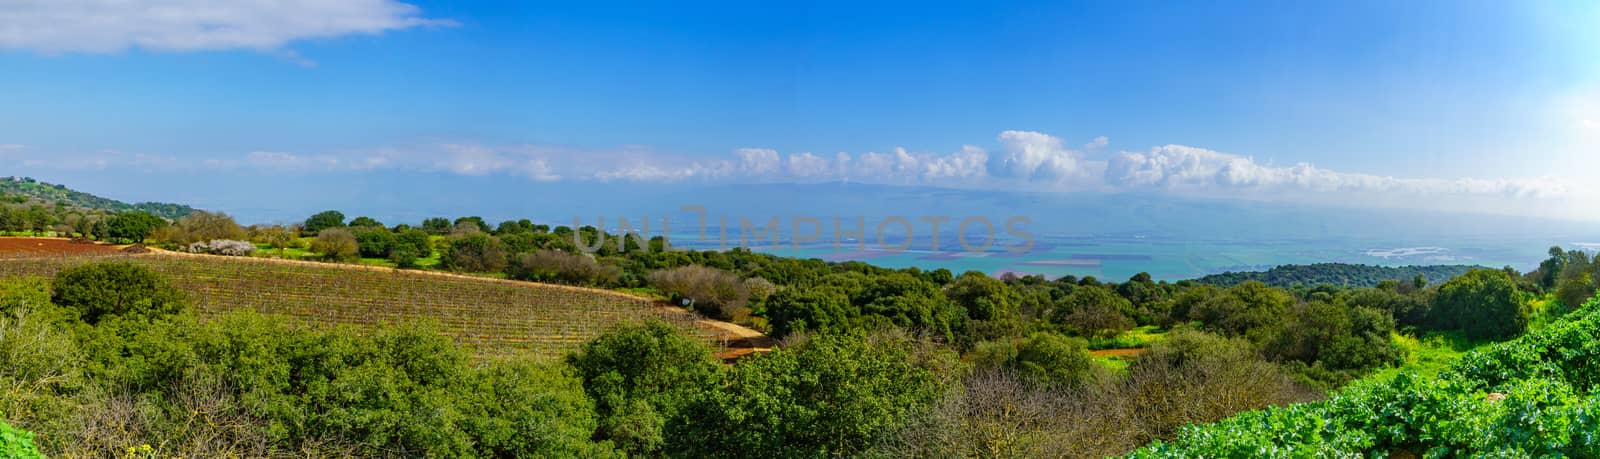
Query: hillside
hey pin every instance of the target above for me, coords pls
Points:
(1341, 274)
(51, 194)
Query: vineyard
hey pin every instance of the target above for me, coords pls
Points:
(491, 317)
(1535, 396)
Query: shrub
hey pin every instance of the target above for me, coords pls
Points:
(475, 252)
(548, 413)
(324, 220)
(93, 291)
(416, 241)
(834, 395)
(1044, 359)
(133, 226)
(277, 236)
(336, 244)
(1484, 303)
(201, 226)
(1095, 312)
(641, 376)
(403, 258)
(373, 241)
(17, 443)
(713, 292)
(563, 267)
(996, 414)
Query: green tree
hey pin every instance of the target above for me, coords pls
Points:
(549, 414)
(821, 308)
(1095, 312)
(134, 226)
(91, 292)
(477, 252)
(365, 222)
(1483, 303)
(410, 245)
(1045, 359)
(641, 376)
(834, 395)
(1242, 309)
(39, 219)
(474, 222)
(1550, 269)
(437, 226)
(373, 241)
(324, 220)
(336, 244)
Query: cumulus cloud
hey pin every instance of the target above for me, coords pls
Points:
(1190, 168)
(758, 161)
(970, 163)
(809, 166)
(1024, 161)
(1035, 156)
(105, 26)
(1098, 142)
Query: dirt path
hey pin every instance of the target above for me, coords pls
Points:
(738, 341)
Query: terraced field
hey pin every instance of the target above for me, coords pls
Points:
(492, 317)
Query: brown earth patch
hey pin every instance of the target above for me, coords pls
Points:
(16, 247)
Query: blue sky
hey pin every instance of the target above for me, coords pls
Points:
(1480, 106)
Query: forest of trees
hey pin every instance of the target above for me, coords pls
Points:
(29, 207)
(59, 195)
(1341, 274)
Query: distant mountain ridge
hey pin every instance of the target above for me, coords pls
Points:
(1342, 274)
(52, 193)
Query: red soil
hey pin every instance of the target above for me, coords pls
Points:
(43, 246)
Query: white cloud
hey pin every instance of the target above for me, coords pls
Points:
(898, 167)
(643, 172)
(1180, 167)
(1098, 142)
(106, 26)
(1025, 161)
(1034, 156)
(970, 163)
(809, 166)
(758, 161)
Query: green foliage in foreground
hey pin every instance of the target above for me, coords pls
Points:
(1530, 397)
(17, 444)
(248, 385)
